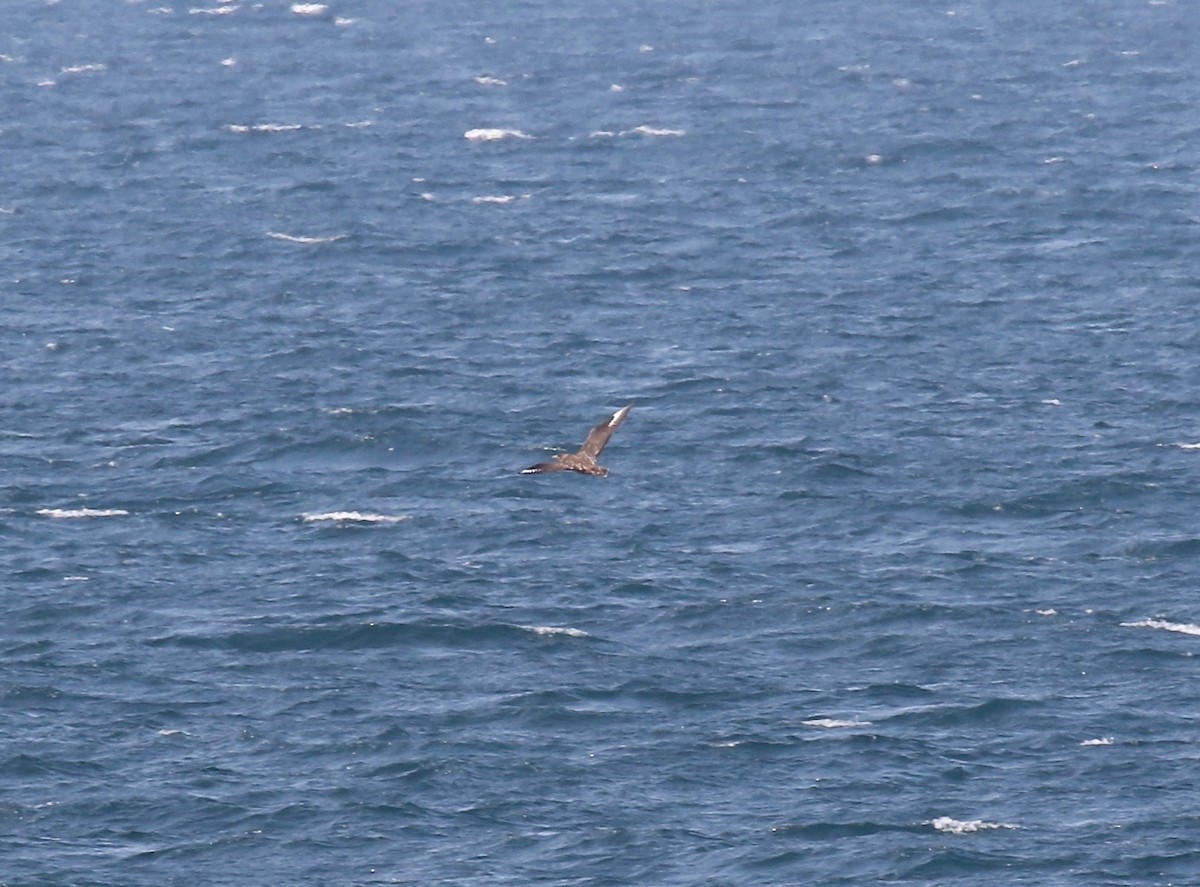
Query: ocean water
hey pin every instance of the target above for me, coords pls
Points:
(894, 578)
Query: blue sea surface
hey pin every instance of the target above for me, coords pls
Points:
(894, 577)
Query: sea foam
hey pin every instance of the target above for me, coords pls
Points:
(965, 827)
(494, 135)
(1179, 627)
(299, 238)
(834, 723)
(554, 631)
(66, 513)
(354, 517)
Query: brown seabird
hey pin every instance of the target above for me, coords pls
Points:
(585, 460)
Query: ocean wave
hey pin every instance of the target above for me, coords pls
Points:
(338, 635)
(1178, 627)
(834, 723)
(263, 127)
(68, 513)
(300, 238)
(354, 517)
(965, 827)
(494, 135)
(83, 69)
(654, 131)
(649, 131)
(554, 631)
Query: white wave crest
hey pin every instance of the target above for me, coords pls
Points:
(654, 131)
(263, 127)
(67, 513)
(309, 8)
(494, 135)
(500, 199)
(299, 238)
(834, 723)
(961, 827)
(1103, 740)
(551, 630)
(484, 80)
(1179, 627)
(354, 517)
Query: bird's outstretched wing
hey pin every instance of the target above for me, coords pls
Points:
(543, 467)
(599, 435)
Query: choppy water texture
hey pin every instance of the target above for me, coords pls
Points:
(894, 577)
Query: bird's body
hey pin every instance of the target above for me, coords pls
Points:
(584, 461)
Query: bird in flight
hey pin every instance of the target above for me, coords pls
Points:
(585, 460)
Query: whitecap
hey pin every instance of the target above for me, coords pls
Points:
(484, 80)
(67, 513)
(355, 517)
(1179, 627)
(263, 127)
(654, 131)
(212, 10)
(553, 631)
(82, 69)
(309, 8)
(299, 238)
(494, 198)
(961, 827)
(834, 723)
(494, 135)
(1103, 740)
(1188, 446)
